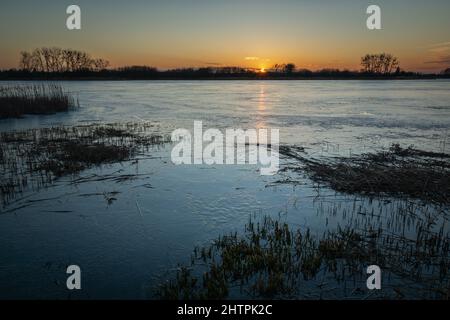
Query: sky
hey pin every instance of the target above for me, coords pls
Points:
(248, 33)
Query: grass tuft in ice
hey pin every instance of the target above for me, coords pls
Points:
(272, 260)
(399, 172)
(35, 158)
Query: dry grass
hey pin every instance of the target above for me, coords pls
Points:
(16, 101)
(35, 158)
(399, 172)
(272, 260)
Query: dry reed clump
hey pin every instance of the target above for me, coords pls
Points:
(272, 261)
(400, 172)
(16, 101)
(35, 158)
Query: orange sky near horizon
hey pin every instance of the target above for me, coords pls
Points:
(257, 34)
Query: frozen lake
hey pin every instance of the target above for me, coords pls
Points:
(352, 114)
(126, 247)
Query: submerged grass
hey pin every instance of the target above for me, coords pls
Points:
(272, 260)
(399, 172)
(407, 236)
(16, 101)
(35, 158)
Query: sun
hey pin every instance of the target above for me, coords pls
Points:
(262, 70)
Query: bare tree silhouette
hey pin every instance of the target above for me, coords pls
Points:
(60, 60)
(283, 68)
(383, 63)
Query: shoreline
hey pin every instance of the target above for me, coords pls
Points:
(220, 79)
(13, 75)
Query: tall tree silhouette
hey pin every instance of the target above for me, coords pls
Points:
(383, 63)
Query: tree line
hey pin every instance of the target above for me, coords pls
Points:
(383, 63)
(54, 63)
(60, 60)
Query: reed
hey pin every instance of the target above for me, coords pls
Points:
(270, 259)
(35, 158)
(398, 172)
(16, 101)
